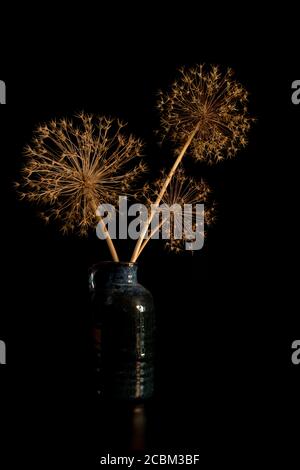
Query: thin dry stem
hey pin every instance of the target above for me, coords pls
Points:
(138, 245)
(109, 241)
(153, 232)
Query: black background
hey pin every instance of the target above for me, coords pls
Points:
(226, 387)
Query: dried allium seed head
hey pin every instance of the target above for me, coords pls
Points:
(213, 103)
(183, 193)
(72, 167)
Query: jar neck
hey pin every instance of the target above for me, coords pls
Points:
(112, 273)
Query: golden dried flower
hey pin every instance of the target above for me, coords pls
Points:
(73, 166)
(182, 194)
(211, 103)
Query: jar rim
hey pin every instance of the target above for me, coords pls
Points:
(118, 263)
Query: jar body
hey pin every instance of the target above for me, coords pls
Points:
(123, 332)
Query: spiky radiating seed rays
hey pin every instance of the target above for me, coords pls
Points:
(212, 102)
(206, 115)
(183, 194)
(73, 166)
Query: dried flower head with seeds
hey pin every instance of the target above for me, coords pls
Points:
(213, 104)
(74, 165)
(178, 216)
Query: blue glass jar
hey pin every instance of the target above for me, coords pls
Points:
(123, 332)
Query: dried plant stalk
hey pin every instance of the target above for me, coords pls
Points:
(212, 102)
(206, 113)
(73, 166)
(182, 194)
(165, 185)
